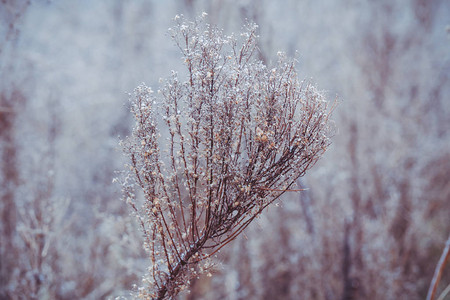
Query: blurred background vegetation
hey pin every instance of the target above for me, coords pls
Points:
(376, 212)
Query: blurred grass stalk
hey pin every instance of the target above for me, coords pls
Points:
(438, 273)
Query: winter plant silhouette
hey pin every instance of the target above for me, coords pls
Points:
(211, 151)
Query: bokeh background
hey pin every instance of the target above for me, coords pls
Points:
(376, 213)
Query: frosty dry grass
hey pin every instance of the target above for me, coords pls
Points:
(209, 152)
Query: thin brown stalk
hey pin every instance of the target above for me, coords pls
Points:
(438, 271)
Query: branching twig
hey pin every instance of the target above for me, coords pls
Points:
(238, 136)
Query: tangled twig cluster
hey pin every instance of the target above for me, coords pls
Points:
(210, 152)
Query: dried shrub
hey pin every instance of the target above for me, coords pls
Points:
(211, 151)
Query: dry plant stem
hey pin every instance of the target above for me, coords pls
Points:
(162, 291)
(444, 293)
(238, 136)
(439, 269)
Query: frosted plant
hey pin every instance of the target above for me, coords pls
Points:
(209, 152)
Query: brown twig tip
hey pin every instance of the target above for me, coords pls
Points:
(235, 136)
